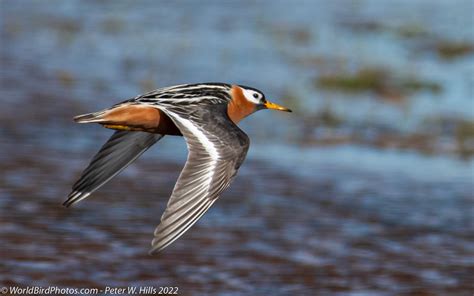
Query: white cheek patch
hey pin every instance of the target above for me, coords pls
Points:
(248, 94)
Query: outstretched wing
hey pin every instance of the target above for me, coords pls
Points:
(217, 148)
(114, 156)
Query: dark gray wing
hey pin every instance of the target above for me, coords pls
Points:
(114, 156)
(217, 148)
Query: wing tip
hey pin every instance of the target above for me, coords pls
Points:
(153, 251)
(158, 245)
(75, 197)
(164, 239)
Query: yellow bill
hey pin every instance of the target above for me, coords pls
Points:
(270, 105)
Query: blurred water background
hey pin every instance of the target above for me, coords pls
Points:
(366, 189)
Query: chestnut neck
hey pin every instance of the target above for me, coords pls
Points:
(239, 107)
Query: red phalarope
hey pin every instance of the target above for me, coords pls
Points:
(206, 115)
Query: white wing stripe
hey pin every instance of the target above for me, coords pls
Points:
(208, 145)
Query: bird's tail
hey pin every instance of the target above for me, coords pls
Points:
(90, 117)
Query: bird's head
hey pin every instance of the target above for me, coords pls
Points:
(246, 100)
(258, 99)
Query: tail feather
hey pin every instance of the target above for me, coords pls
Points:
(89, 117)
(116, 154)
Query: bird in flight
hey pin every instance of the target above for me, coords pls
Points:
(206, 114)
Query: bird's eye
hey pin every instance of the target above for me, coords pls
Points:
(255, 95)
